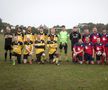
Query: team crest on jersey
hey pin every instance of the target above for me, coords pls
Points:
(75, 36)
(86, 47)
(94, 37)
(79, 49)
(89, 44)
(98, 48)
(81, 45)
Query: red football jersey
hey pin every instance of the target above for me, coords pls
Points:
(88, 48)
(104, 38)
(93, 37)
(78, 47)
(99, 47)
(84, 37)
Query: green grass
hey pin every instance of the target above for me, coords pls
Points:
(67, 76)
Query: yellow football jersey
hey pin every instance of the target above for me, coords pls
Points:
(31, 36)
(39, 46)
(28, 47)
(43, 36)
(52, 46)
(55, 37)
(17, 47)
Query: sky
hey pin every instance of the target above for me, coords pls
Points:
(53, 12)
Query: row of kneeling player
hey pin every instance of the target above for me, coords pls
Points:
(29, 48)
(88, 52)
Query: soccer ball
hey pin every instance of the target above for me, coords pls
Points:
(99, 53)
(43, 54)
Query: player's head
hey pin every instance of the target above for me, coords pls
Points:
(86, 31)
(15, 39)
(75, 29)
(98, 40)
(29, 29)
(63, 28)
(87, 39)
(52, 37)
(41, 29)
(104, 31)
(8, 29)
(94, 30)
(18, 30)
(28, 39)
(80, 41)
(38, 37)
(53, 30)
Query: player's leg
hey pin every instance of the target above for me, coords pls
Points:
(10, 54)
(60, 47)
(91, 59)
(98, 59)
(38, 56)
(30, 59)
(106, 50)
(19, 58)
(86, 58)
(43, 57)
(65, 51)
(14, 57)
(80, 59)
(50, 58)
(25, 58)
(6, 55)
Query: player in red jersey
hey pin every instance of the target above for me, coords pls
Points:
(104, 37)
(78, 52)
(104, 40)
(88, 51)
(86, 34)
(106, 51)
(94, 35)
(99, 51)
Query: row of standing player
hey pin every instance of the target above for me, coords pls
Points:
(75, 36)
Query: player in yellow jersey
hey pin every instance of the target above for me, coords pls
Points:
(53, 32)
(31, 36)
(43, 36)
(52, 46)
(16, 50)
(39, 49)
(28, 51)
(19, 34)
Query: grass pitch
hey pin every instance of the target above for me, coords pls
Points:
(67, 76)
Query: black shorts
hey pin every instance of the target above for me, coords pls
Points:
(38, 56)
(51, 56)
(25, 56)
(8, 47)
(98, 57)
(65, 46)
(17, 55)
(88, 57)
(79, 57)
